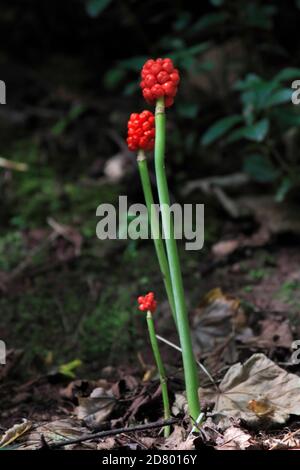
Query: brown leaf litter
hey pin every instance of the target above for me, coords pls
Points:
(258, 392)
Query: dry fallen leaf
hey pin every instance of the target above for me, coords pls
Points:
(96, 408)
(257, 391)
(225, 248)
(276, 218)
(275, 333)
(178, 440)
(288, 442)
(180, 405)
(217, 318)
(54, 432)
(107, 444)
(14, 433)
(234, 438)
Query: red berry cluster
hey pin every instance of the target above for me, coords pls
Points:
(147, 302)
(141, 131)
(159, 78)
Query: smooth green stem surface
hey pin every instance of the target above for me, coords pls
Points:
(189, 363)
(161, 370)
(155, 230)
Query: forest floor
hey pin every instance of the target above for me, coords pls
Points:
(81, 378)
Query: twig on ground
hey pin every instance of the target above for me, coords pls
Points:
(215, 185)
(226, 202)
(206, 184)
(197, 424)
(113, 432)
(10, 165)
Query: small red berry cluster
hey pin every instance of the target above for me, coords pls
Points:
(159, 78)
(141, 131)
(147, 302)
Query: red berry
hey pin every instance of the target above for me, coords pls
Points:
(168, 88)
(169, 101)
(148, 64)
(147, 302)
(159, 79)
(146, 126)
(141, 134)
(147, 94)
(168, 65)
(144, 116)
(157, 91)
(143, 142)
(150, 80)
(175, 77)
(155, 68)
(162, 77)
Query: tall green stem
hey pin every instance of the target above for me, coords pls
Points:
(161, 370)
(155, 230)
(189, 364)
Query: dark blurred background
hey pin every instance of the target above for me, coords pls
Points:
(71, 69)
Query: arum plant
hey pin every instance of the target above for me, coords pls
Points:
(148, 304)
(141, 133)
(159, 85)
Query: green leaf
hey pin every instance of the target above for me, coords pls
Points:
(204, 66)
(258, 93)
(182, 21)
(219, 128)
(113, 77)
(96, 7)
(279, 97)
(259, 16)
(208, 21)
(188, 110)
(130, 88)
(133, 63)
(217, 3)
(247, 82)
(285, 186)
(258, 131)
(68, 369)
(75, 112)
(289, 73)
(260, 168)
(190, 51)
(169, 42)
(63, 123)
(255, 132)
(287, 117)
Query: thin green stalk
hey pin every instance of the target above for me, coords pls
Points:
(189, 363)
(161, 370)
(156, 235)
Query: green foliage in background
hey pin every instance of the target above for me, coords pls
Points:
(266, 115)
(253, 121)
